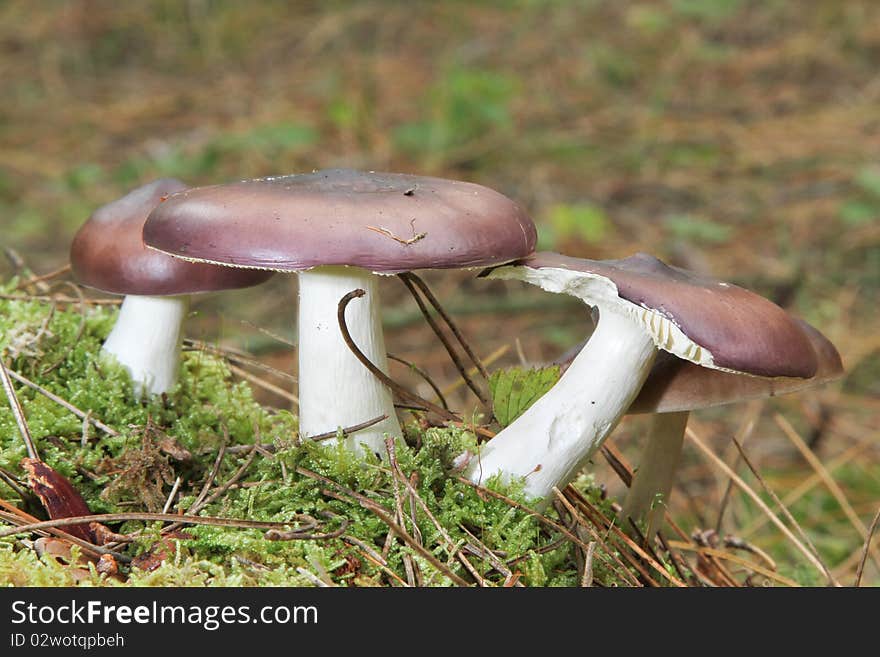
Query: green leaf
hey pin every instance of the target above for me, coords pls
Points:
(514, 389)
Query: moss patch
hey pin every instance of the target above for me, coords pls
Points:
(179, 436)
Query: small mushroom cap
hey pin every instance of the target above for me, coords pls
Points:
(678, 385)
(383, 222)
(108, 253)
(742, 331)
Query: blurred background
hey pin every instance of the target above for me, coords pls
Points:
(738, 138)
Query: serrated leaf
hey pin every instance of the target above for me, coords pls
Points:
(514, 389)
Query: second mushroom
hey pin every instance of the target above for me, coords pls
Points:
(645, 307)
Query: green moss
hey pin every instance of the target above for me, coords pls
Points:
(179, 435)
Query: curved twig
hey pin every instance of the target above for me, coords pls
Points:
(395, 387)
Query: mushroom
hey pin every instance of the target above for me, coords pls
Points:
(337, 228)
(108, 254)
(644, 306)
(673, 388)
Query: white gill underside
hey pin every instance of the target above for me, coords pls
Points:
(146, 340)
(335, 389)
(596, 290)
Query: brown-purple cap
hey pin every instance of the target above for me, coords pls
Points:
(743, 331)
(383, 222)
(108, 252)
(676, 385)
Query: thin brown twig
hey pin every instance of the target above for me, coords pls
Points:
(305, 533)
(414, 496)
(171, 495)
(15, 259)
(262, 383)
(14, 485)
(382, 514)
(587, 577)
(348, 430)
(417, 237)
(617, 462)
(867, 549)
(782, 507)
(236, 356)
(655, 564)
(271, 448)
(745, 430)
(422, 373)
(215, 470)
(395, 488)
(673, 557)
(146, 517)
(832, 486)
(481, 550)
(719, 571)
(593, 525)
(21, 519)
(809, 484)
(79, 331)
(45, 298)
(374, 557)
(395, 387)
(17, 412)
(722, 554)
(270, 334)
(203, 502)
(488, 360)
(234, 479)
(410, 281)
(451, 324)
(544, 520)
(737, 543)
(63, 403)
(694, 438)
(43, 277)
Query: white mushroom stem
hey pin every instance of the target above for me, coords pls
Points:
(335, 389)
(652, 481)
(146, 340)
(554, 438)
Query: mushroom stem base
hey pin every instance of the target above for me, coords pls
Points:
(652, 482)
(550, 443)
(335, 389)
(146, 341)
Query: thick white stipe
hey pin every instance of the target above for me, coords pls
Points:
(146, 340)
(554, 438)
(335, 389)
(648, 494)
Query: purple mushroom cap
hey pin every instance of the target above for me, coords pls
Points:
(382, 222)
